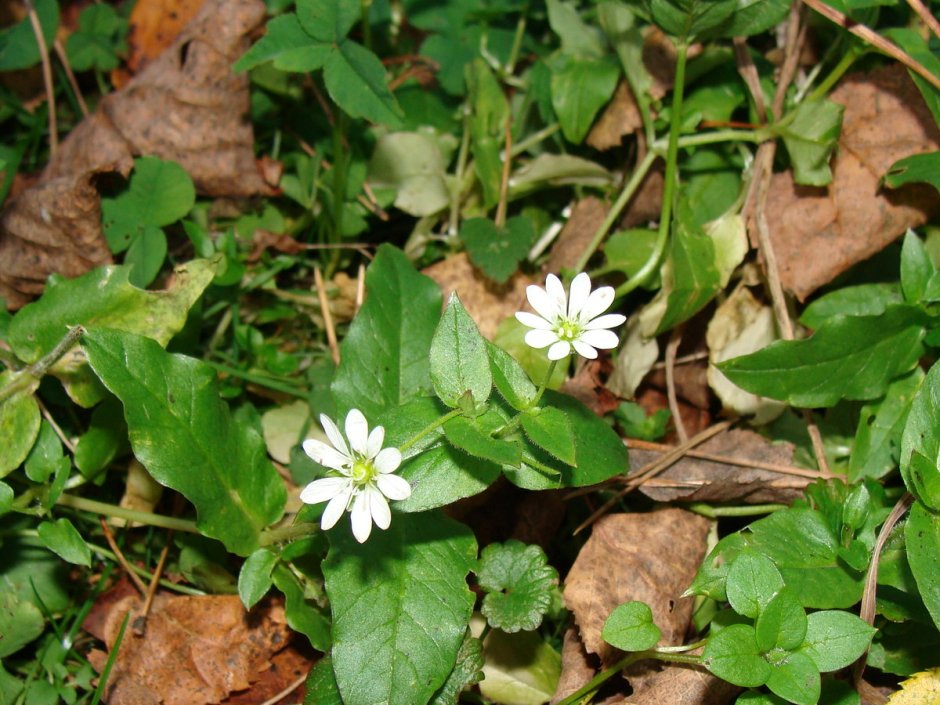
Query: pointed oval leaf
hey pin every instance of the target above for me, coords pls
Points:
(795, 679)
(355, 79)
(550, 430)
(459, 363)
(510, 379)
(62, 538)
(732, 655)
(753, 580)
(19, 422)
(328, 20)
(254, 579)
(474, 436)
(185, 436)
(400, 606)
(834, 639)
(920, 443)
(922, 535)
(782, 622)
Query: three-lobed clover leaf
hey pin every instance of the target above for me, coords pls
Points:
(519, 582)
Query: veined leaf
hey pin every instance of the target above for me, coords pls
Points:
(580, 88)
(19, 423)
(458, 359)
(400, 607)
(922, 535)
(355, 79)
(287, 45)
(920, 443)
(184, 434)
(328, 20)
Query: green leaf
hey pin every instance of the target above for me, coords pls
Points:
(754, 16)
(634, 422)
(328, 20)
(519, 584)
(510, 336)
(95, 43)
(18, 46)
(922, 534)
(474, 436)
(385, 353)
(413, 165)
(877, 446)
(10, 686)
(158, 193)
(860, 300)
(690, 280)
(438, 473)
(177, 423)
(104, 297)
(400, 607)
(917, 48)
(690, 18)
(46, 455)
(6, 498)
(810, 137)
(920, 442)
(355, 80)
(781, 624)
(19, 422)
(458, 359)
(846, 358)
(630, 627)
(732, 655)
(145, 255)
(467, 671)
(916, 268)
(104, 440)
(497, 251)
(520, 668)
(254, 579)
(321, 684)
(753, 581)
(580, 88)
(20, 623)
(835, 639)
(628, 250)
(487, 119)
(550, 430)
(63, 539)
(510, 379)
(795, 679)
(918, 168)
(303, 615)
(578, 38)
(286, 44)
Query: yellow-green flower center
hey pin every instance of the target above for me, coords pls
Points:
(362, 471)
(568, 330)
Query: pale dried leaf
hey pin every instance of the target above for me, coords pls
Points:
(621, 117)
(586, 217)
(680, 685)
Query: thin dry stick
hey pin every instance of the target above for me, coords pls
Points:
(46, 76)
(926, 16)
(671, 348)
(634, 480)
(683, 360)
(140, 622)
(327, 316)
(875, 39)
(867, 611)
(748, 72)
(109, 537)
(731, 460)
(500, 219)
(66, 441)
(360, 288)
(64, 60)
(284, 693)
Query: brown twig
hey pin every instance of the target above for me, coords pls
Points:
(675, 339)
(55, 427)
(360, 288)
(46, 76)
(634, 480)
(500, 219)
(748, 72)
(64, 60)
(140, 623)
(876, 40)
(926, 16)
(327, 316)
(115, 549)
(284, 693)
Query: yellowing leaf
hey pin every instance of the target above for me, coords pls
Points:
(920, 689)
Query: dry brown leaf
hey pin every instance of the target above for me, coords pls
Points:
(587, 387)
(681, 685)
(577, 233)
(576, 666)
(487, 302)
(652, 399)
(621, 117)
(648, 557)
(154, 24)
(54, 226)
(818, 233)
(193, 650)
(697, 480)
(186, 105)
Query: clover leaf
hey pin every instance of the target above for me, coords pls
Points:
(518, 582)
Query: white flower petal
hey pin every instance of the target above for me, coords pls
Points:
(556, 292)
(376, 438)
(539, 339)
(332, 432)
(357, 431)
(387, 460)
(533, 321)
(558, 351)
(611, 320)
(584, 350)
(578, 294)
(321, 453)
(393, 486)
(334, 510)
(361, 517)
(603, 339)
(543, 303)
(323, 489)
(598, 302)
(378, 506)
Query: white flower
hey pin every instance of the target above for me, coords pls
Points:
(572, 320)
(361, 475)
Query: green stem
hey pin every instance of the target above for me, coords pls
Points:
(285, 534)
(112, 510)
(758, 136)
(845, 63)
(437, 423)
(145, 574)
(707, 510)
(516, 46)
(533, 139)
(456, 189)
(35, 372)
(548, 377)
(365, 6)
(258, 379)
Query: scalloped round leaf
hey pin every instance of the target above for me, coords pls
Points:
(519, 582)
(630, 627)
